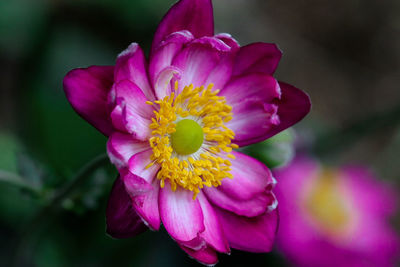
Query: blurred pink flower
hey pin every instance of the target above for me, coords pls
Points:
(335, 217)
(171, 134)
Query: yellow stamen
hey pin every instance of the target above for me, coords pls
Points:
(325, 204)
(211, 162)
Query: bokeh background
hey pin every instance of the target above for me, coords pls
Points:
(344, 53)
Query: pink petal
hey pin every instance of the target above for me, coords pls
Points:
(121, 147)
(195, 16)
(263, 119)
(293, 106)
(196, 62)
(294, 177)
(249, 192)
(371, 194)
(306, 243)
(87, 90)
(251, 86)
(181, 215)
(147, 207)
(257, 57)
(213, 233)
(188, 62)
(131, 65)
(180, 37)
(144, 198)
(221, 73)
(229, 40)
(138, 163)
(206, 255)
(131, 113)
(134, 184)
(252, 96)
(118, 115)
(255, 234)
(122, 220)
(250, 177)
(163, 85)
(134, 97)
(213, 42)
(165, 53)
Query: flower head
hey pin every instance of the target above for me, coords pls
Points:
(334, 217)
(174, 122)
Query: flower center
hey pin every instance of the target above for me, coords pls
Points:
(187, 138)
(326, 204)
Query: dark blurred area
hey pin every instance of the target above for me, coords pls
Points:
(344, 54)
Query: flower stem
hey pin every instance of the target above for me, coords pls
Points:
(15, 179)
(78, 178)
(21, 256)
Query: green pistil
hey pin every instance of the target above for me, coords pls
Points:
(187, 138)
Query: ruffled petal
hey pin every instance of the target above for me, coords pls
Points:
(201, 62)
(251, 86)
(131, 113)
(138, 164)
(293, 106)
(247, 207)
(195, 16)
(131, 65)
(87, 90)
(181, 215)
(131, 123)
(255, 234)
(196, 61)
(134, 98)
(144, 198)
(165, 53)
(257, 57)
(163, 85)
(122, 220)
(249, 192)
(134, 184)
(213, 42)
(147, 207)
(222, 72)
(229, 40)
(252, 96)
(142, 186)
(206, 255)
(263, 119)
(121, 147)
(213, 233)
(250, 177)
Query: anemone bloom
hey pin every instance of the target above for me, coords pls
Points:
(173, 122)
(334, 217)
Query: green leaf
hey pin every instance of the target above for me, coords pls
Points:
(8, 156)
(17, 168)
(276, 151)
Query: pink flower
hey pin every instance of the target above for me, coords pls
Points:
(173, 121)
(334, 217)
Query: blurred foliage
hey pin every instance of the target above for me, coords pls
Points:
(276, 151)
(8, 156)
(20, 23)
